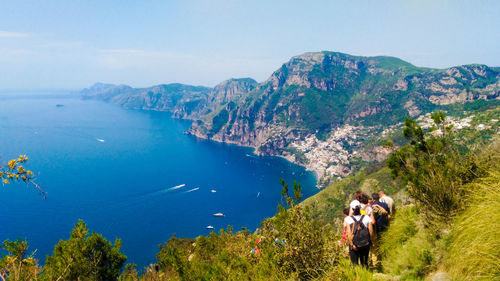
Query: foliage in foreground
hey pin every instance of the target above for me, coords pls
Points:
(408, 249)
(17, 264)
(289, 246)
(447, 179)
(435, 167)
(474, 242)
(85, 256)
(82, 257)
(14, 171)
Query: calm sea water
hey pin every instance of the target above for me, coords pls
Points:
(115, 169)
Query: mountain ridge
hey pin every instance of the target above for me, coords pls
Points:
(328, 111)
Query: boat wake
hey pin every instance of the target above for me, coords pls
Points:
(191, 190)
(165, 190)
(176, 187)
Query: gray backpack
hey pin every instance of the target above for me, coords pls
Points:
(361, 234)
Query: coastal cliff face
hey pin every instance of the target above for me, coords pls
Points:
(327, 111)
(228, 91)
(330, 111)
(183, 101)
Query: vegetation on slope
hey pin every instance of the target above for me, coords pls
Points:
(327, 206)
(474, 240)
(448, 229)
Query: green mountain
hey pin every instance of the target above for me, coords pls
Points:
(327, 111)
(183, 101)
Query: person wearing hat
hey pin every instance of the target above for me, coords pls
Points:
(357, 224)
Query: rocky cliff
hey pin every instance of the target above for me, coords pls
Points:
(324, 109)
(328, 111)
(183, 101)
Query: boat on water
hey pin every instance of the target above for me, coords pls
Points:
(210, 227)
(100, 140)
(177, 186)
(213, 191)
(219, 215)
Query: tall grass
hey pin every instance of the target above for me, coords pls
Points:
(474, 251)
(407, 248)
(346, 271)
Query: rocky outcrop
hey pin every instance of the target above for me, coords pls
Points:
(183, 101)
(324, 110)
(230, 90)
(298, 112)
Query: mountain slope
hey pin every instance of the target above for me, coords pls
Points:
(327, 111)
(183, 101)
(321, 109)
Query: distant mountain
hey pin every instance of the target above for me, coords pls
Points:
(183, 101)
(328, 111)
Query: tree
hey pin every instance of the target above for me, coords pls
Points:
(85, 257)
(435, 167)
(17, 264)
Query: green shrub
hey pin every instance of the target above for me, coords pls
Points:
(16, 264)
(85, 257)
(436, 168)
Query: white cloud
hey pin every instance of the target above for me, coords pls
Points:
(9, 34)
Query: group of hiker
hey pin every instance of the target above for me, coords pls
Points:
(364, 220)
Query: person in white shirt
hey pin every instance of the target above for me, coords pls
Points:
(387, 200)
(366, 209)
(358, 255)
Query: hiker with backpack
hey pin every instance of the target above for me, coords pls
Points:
(381, 213)
(360, 234)
(387, 200)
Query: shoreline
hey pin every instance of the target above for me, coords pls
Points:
(254, 151)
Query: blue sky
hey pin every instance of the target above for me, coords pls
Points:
(72, 44)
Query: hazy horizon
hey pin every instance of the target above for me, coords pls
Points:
(68, 45)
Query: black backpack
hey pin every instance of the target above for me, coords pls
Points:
(361, 235)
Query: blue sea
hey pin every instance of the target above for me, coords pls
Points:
(127, 174)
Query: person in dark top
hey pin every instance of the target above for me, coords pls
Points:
(381, 213)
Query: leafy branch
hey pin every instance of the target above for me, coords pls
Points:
(14, 171)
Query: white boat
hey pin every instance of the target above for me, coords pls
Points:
(100, 140)
(210, 227)
(218, 215)
(213, 191)
(177, 186)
